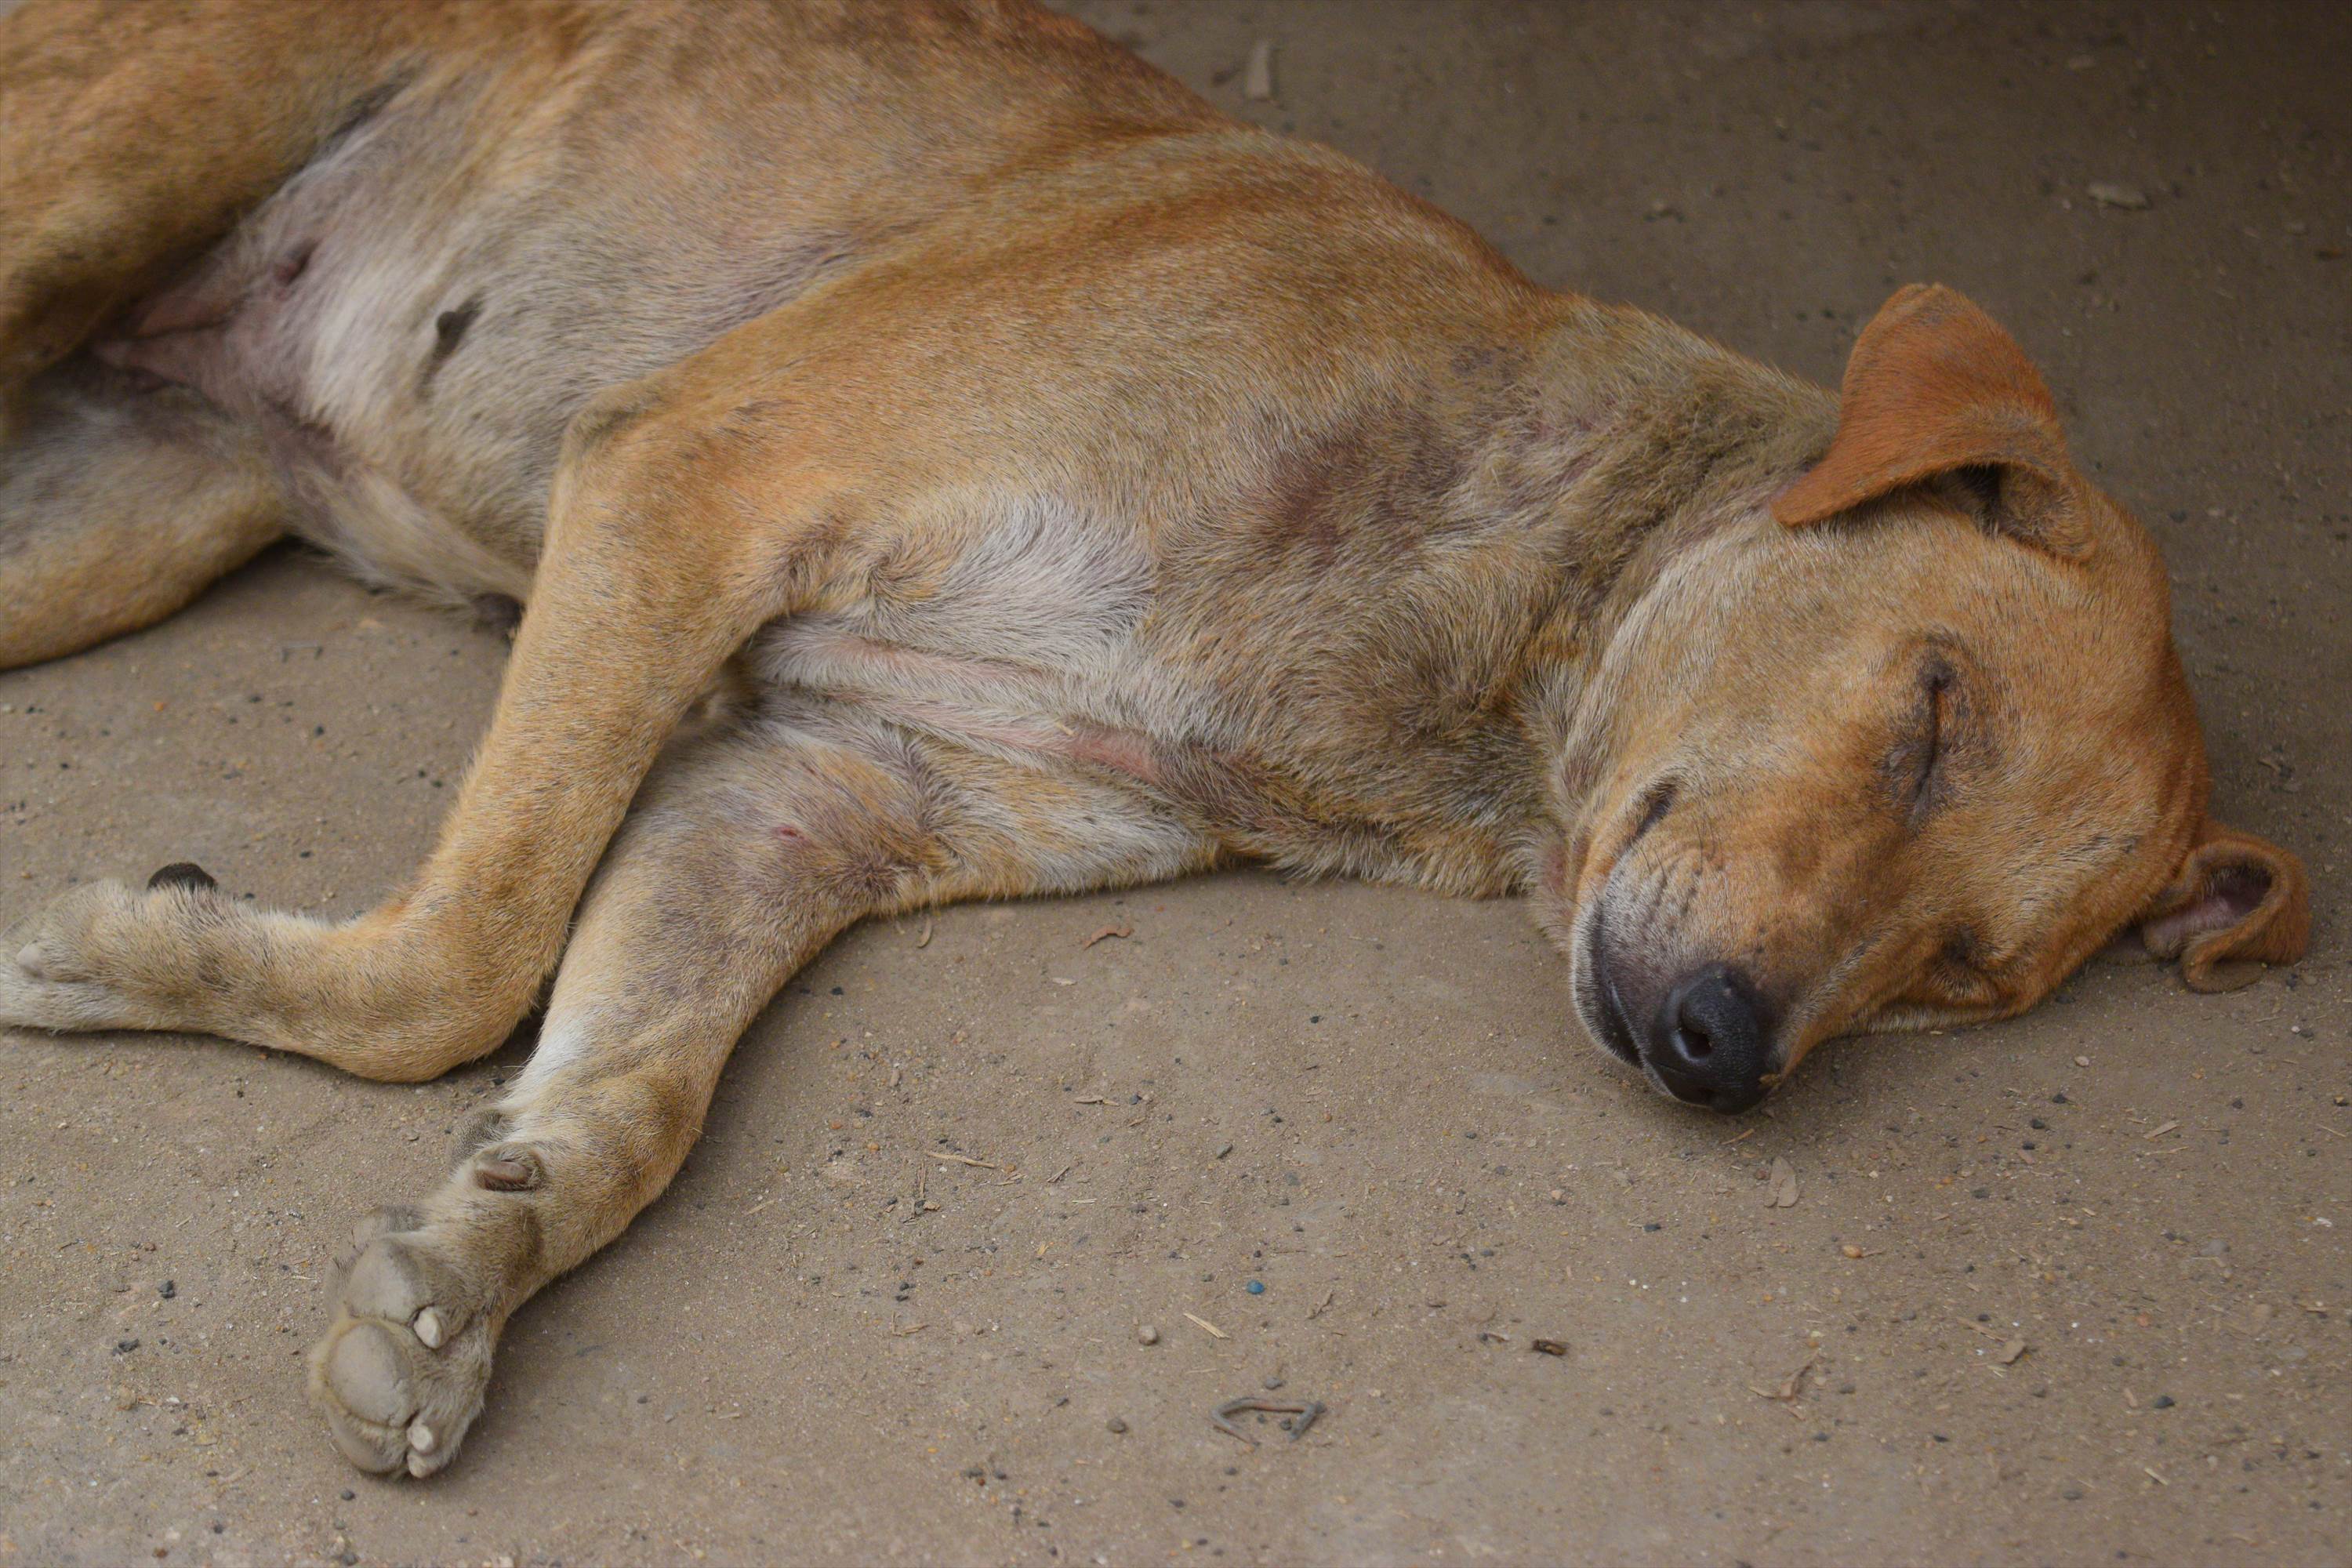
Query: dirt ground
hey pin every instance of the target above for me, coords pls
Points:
(833, 1344)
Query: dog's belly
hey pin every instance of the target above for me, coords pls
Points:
(413, 355)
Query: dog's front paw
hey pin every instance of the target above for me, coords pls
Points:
(400, 1370)
(85, 962)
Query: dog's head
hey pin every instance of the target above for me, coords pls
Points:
(1904, 753)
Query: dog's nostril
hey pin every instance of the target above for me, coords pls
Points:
(1694, 1029)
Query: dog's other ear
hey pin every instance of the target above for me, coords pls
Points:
(1937, 393)
(2234, 897)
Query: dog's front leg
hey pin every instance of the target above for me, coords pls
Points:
(662, 556)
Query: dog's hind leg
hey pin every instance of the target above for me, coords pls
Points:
(118, 505)
(132, 134)
(747, 852)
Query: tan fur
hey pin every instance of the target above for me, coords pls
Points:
(1046, 484)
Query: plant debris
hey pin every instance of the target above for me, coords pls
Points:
(1258, 77)
(1303, 1416)
(1791, 1387)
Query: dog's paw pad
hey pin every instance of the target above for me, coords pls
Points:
(369, 1375)
(400, 1370)
(389, 1405)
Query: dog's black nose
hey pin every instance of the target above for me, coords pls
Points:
(1709, 1041)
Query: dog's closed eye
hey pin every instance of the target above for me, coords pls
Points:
(1915, 764)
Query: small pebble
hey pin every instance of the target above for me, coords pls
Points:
(167, 1289)
(1255, 1286)
(2164, 1402)
(1147, 1335)
(1851, 1250)
(1117, 1424)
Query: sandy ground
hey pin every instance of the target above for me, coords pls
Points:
(1372, 1102)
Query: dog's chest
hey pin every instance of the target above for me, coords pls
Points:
(1058, 637)
(1018, 626)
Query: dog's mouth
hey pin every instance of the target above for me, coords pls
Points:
(1602, 1010)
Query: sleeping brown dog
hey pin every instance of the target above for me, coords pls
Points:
(943, 459)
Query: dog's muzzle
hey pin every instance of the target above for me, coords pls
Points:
(1707, 1039)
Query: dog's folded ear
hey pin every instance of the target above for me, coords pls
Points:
(1937, 395)
(2236, 897)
